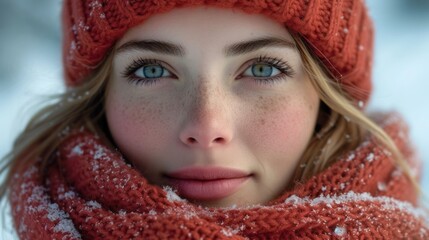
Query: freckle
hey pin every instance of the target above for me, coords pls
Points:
(160, 109)
(262, 121)
(263, 103)
(125, 108)
(156, 112)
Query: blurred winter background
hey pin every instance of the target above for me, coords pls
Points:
(30, 66)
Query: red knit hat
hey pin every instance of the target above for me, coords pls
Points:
(339, 31)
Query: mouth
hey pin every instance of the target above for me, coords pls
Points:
(207, 183)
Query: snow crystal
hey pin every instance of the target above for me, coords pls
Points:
(171, 195)
(361, 48)
(74, 29)
(37, 192)
(342, 186)
(365, 143)
(370, 157)
(226, 233)
(122, 212)
(296, 200)
(152, 212)
(22, 227)
(66, 226)
(32, 170)
(189, 214)
(397, 173)
(93, 204)
(95, 166)
(340, 231)
(73, 45)
(423, 232)
(324, 188)
(115, 164)
(381, 186)
(350, 157)
(387, 203)
(77, 150)
(231, 207)
(237, 230)
(242, 227)
(99, 153)
(66, 195)
(387, 152)
(94, 5)
(346, 30)
(38, 201)
(54, 213)
(83, 26)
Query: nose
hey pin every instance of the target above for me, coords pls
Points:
(207, 123)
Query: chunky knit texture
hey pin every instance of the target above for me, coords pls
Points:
(91, 193)
(339, 31)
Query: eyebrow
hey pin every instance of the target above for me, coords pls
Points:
(231, 50)
(154, 46)
(253, 45)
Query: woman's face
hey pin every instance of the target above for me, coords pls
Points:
(213, 102)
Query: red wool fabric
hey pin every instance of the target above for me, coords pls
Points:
(339, 31)
(90, 192)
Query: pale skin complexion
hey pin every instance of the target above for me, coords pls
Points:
(208, 105)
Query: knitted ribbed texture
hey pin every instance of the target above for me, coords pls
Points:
(340, 32)
(91, 193)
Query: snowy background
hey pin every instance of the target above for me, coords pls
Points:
(30, 66)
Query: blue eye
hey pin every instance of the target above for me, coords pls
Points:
(152, 71)
(268, 70)
(261, 70)
(146, 72)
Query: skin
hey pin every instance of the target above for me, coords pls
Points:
(209, 110)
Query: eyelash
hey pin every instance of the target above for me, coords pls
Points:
(135, 65)
(281, 65)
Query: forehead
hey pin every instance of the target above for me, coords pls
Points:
(207, 25)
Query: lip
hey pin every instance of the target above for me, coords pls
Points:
(207, 183)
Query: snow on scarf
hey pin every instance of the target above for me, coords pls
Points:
(92, 193)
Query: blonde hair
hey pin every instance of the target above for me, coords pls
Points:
(84, 106)
(80, 106)
(344, 125)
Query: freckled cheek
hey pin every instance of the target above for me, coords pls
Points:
(136, 127)
(288, 126)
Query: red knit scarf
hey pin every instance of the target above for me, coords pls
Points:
(92, 193)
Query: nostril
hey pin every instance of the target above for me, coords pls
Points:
(219, 140)
(192, 140)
